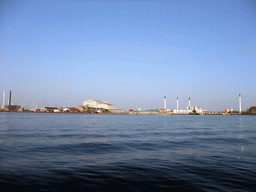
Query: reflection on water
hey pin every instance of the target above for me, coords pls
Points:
(43, 147)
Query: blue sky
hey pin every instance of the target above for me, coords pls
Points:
(131, 53)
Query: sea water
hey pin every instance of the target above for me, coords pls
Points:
(53, 152)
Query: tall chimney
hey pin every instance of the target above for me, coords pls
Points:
(164, 102)
(189, 101)
(240, 104)
(3, 98)
(10, 98)
(177, 104)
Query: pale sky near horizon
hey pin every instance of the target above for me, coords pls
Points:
(130, 53)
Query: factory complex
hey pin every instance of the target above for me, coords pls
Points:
(9, 107)
(104, 107)
(189, 110)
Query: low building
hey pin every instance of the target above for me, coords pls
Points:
(162, 111)
(11, 107)
(69, 109)
(73, 110)
(131, 111)
(100, 110)
(50, 109)
(86, 109)
(252, 109)
(166, 111)
(169, 112)
(147, 112)
(201, 111)
(189, 110)
(197, 109)
(228, 110)
(83, 108)
(117, 110)
(182, 111)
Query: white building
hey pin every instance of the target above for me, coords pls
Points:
(117, 110)
(182, 111)
(197, 109)
(189, 109)
(50, 109)
(99, 104)
(228, 110)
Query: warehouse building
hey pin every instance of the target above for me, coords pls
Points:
(117, 110)
(190, 109)
(50, 109)
(99, 104)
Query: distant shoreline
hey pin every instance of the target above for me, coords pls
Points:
(251, 114)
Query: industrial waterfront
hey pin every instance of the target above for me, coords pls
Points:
(104, 107)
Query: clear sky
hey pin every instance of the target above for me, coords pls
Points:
(130, 53)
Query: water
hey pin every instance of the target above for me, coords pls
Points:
(53, 152)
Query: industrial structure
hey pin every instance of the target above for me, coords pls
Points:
(50, 109)
(99, 104)
(99, 107)
(94, 106)
(84, 108)
(10, 98)
(3, 98)
(117, 110)
(164, 102)
(189, 110)
(240, 104)
(10, 107)
(228, 110)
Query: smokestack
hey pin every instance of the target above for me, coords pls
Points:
(10, 98)
(164, 102)
(177, 104)
(189, 101)
(240, 104)
(3, 98)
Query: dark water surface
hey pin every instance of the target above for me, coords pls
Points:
(57, 152)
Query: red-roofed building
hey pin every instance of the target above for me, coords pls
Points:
(252, 109)
(74, 110)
